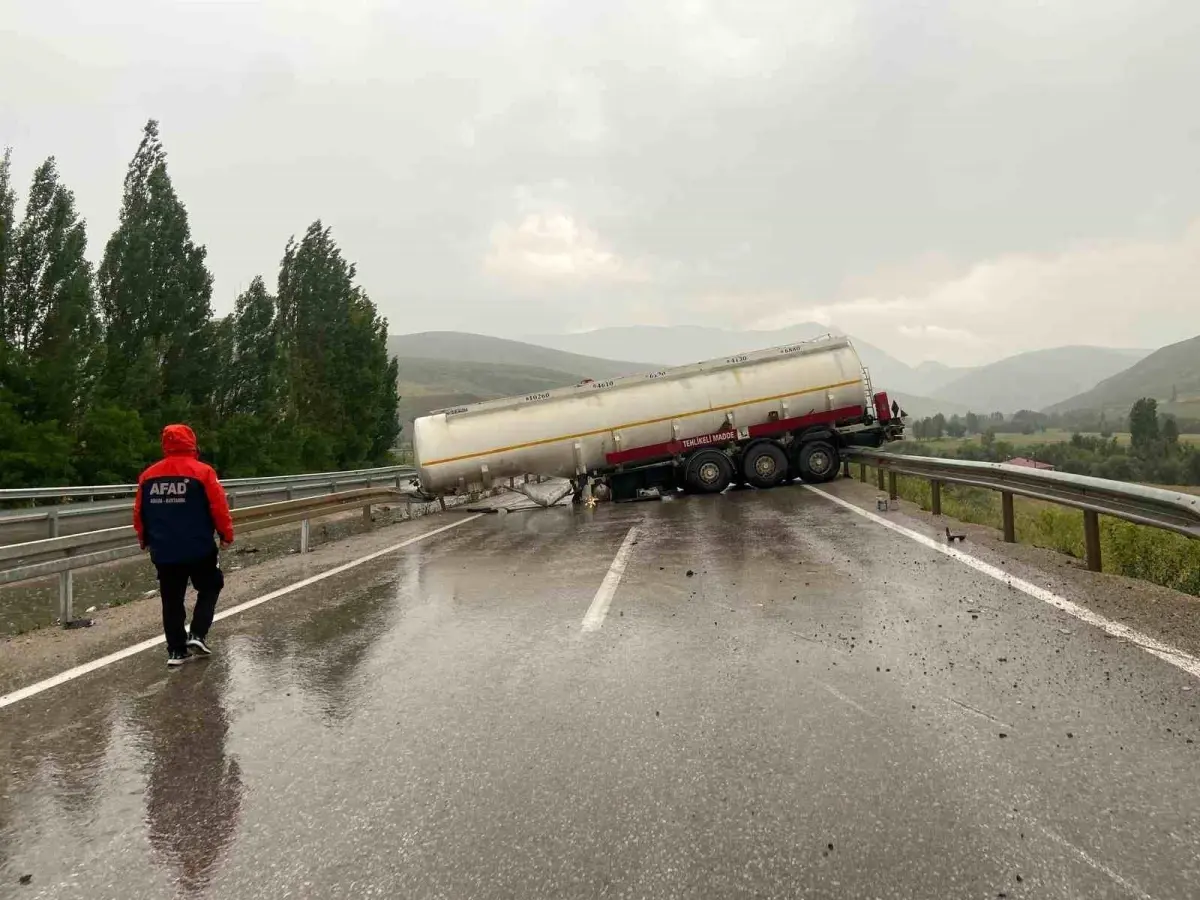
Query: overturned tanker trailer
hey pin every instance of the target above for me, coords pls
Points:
(755, 418)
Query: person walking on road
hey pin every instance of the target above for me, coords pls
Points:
(178, 506)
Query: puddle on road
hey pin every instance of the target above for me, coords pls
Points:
(24, 607)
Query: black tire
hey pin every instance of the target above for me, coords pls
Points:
(708, 472)
(765, 465)
(817, 461)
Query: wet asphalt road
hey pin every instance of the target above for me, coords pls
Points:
(816, 712)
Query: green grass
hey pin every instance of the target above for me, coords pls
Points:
(1137, 551)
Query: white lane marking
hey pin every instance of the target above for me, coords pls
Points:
(608, 587)
(979, 712)
(1096, 864)
(843, 698)
(1172, 655)
(71, 674)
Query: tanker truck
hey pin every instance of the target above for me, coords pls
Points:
(756, 419)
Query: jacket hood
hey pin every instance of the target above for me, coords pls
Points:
(179, 440)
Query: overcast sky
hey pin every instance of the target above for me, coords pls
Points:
(947, 179)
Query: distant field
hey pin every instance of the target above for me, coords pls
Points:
(1051, 436)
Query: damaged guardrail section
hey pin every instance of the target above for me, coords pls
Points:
(1141, 504)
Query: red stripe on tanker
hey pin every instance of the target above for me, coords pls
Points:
(588, 427)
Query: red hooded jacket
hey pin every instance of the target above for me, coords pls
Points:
(180, 503)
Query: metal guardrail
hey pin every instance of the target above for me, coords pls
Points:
(63, 556)
(277, 481)
(1141, 504)
(236, 489)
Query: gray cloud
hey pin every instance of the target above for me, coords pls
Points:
(947, 179)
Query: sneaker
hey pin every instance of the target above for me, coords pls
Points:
(176, 658)
(197, 645)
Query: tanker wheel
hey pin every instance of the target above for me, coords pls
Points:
(708, 472)
(817, 461)
(765, 465)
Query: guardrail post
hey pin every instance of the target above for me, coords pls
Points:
(231, 496)
(892, 485)
(52, 522)
(936, 488)
(66, 597)
(881, 479)
(290, 492)
(333, 487)
(367, 516)
(304, 536)
(845, 468)
(862, 472)
(1091, 538)
(1010, 522)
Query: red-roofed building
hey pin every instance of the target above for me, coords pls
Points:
(1028, 463)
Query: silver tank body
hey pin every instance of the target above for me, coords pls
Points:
(569, 431)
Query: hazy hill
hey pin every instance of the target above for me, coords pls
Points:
(1173, 370)
(935, 375)
(1036, 379)
(457, 346)
(441, 369)
(681, 344)
(427, 384)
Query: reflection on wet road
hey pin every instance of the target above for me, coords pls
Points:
(820, 708)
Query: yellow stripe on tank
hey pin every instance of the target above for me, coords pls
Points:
(570, 437)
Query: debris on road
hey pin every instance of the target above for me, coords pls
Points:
(951, 538)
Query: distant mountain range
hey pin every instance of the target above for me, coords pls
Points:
(679, 345)
(458, 346)
(1036, 379)
(446, 368)
(1026, 381)
(1170, 375)
(439, 369)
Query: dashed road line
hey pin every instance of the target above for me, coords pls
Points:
(835, 692)
(608, 587)
(979, 712)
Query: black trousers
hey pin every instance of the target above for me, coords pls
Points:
(207, 578)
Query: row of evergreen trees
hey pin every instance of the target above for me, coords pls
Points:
(94, 363)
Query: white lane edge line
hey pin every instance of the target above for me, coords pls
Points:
(1095, 864)
(835, 692)
(1181, 660)
(967, 707)
(78, 671)
(594, 617)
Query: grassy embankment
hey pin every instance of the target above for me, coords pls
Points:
(1154, 555)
